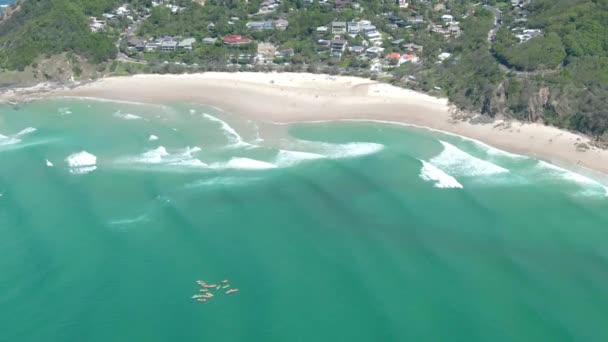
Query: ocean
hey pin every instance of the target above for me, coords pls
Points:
(341, 231)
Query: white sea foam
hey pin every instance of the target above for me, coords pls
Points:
(26, 131)
(431, 173)
(459, 163)
(152, 137)
(233, 137)
(127, 116)
(48, 163)
(352, 150)
(128, 221)
(160, 156)
(553, 171)
(64, 111)
(82, 162)
(221, 181)
(288, 158)
(243, 164)
(4, 140)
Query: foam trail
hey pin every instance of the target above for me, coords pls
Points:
(221, 181)
(558, 172)
(4, 140)
(26, 131)
(82, 162)
(288, 158)
(339, 151)
(234, 138)
(160, 156)
(430, 173)
(64, 111)
(457, 162)
(127, 116)
(128, 221)
(243, 164)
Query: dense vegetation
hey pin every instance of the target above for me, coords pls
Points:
(559, 77)
(52, 27)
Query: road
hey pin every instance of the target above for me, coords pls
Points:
(120, 56)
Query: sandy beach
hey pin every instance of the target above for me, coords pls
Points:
(290, 97)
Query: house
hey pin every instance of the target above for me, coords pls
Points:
(342, 3)
(209, 41)
(109, 16)
(417, 19)
(168, 44)
(338, 46)
(136, 43)
(266, 51)
(97, 25)
(121, 11)
(324, 42)
(322, 29)
(211, 26)
(338, 27)
(236, 40)
(413, 47)
(354, 27)
(409, 58)
(443, 56)
(403, 3)
(374, 51)
(152, 46)
(447, 18)
(186, 43)
(286, 53)
(259, 25)
(358, 49)
(393, 56)
(397, 42)
(281, 24)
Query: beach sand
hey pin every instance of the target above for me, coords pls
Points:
(291, 97)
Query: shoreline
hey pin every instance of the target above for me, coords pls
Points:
(300, 97)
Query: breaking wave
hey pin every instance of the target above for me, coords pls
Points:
(4, 140)
(26, 131)
(81, 162)
(152, 137)
(127, 116)
(160, 156)
(457, 162)
(431, 173)
(233, 137)
(243, 164)
(556, 172)
(288, 158)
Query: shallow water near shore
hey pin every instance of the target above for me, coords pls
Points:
(344, 231)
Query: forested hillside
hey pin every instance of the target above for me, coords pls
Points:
(51, 27)
(561, 76)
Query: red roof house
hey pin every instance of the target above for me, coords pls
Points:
(236, 39)
(394, 55)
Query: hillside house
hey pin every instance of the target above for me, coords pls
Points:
(236, 40)
(186, 43)
(260, 25)
(281, 24)
(338, 27)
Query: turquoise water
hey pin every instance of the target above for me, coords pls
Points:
(346, 231)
